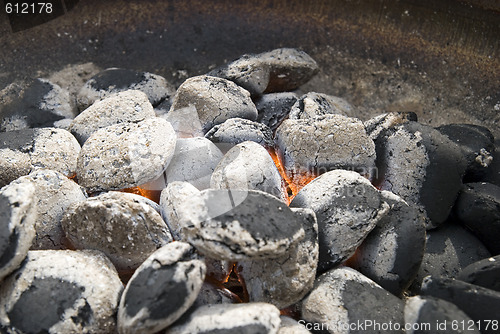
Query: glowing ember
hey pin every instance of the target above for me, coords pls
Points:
(153, 195)
(294, 182)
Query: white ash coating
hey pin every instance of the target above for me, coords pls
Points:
(291, 326)
(183, 208)
(392, 253)
(161, 289)
(347, 207)
(215, 99)
(57, 100)
(124, 107)
(17, 231)
(124, 228)
(287, 279)
(114, 80)
(57, 276)
(248, 166)
(248, 71)
(238, 130)
(313, 104)
(194, 161)
(324, 143)
(244, 225)
(126, 155)
(374, 126)
(54, 194)
(44, 148)
(343, 296)
(259, 318)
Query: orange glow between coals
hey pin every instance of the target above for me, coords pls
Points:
(294, 182)
(153, 195)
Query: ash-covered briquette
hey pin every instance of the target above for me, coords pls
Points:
(161, 289)
(484, 273)
(249, 318)
(125, 155)
(448, 249)
(314, 104)
(342, 297)
(347, 208)
(219, 270)
(130, 106)
(238, 130)
(429, 315)
(24, 151)
(230, 224)
(57, 291)
(119, 224)
(248, 166)
(40, 104)
(183, 208)
(422, 166)
(194, 161)
(392, 253)
(273, 108)
(479, 303)
(291, 326)
(115, 80)
(478, 208)
(279, 70)
(215, 99)
(477, 144)
(54, 193)
(17, 225)
(316, 145)
(245, 225)
(374, 126)
(287, 279)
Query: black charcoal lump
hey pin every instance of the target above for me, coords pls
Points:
(121, 225)
(115, 80)
(24, 151)
(428, 315)
(477, 144)
(215, 99)
(343, 298)
(449, 249)
(422, 166)
(313, 104)
(478, 208)
(248, 318)
(316, 145)
(40, 104)
(273, 108)
(54, 194)
(126, 155)
(484, 273)
(17, 224)
(161, 289)
(479, 303)
(61, 291)
(123, 107)
(278, 70)
(347, 208)
(248, 166)
(392, 253)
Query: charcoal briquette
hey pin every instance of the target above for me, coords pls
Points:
(273, 108)
(484, 273)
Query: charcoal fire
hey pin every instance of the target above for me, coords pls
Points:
(238, 203)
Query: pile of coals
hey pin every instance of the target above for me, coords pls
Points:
(233, 205)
